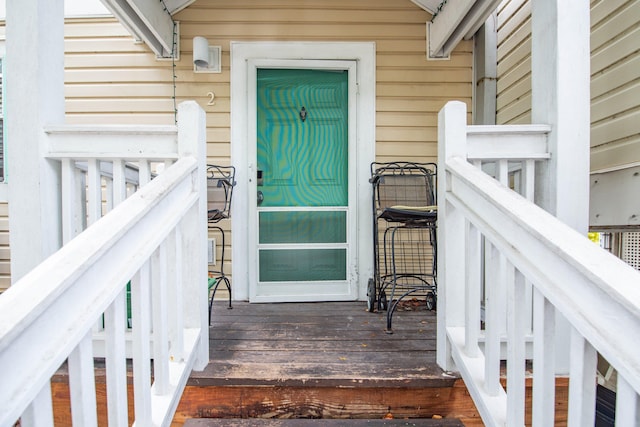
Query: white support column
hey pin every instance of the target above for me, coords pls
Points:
(560, 61)
(34, 98)
(192, 142)
(452, 137)
(561, 97)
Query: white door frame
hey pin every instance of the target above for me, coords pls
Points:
(244, 59)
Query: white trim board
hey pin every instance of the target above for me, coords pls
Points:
(244, 59)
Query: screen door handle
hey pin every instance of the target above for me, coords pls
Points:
(260, 197)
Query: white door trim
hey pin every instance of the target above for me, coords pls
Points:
(244, 57)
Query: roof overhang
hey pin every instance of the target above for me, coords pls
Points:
(150, 21)
(453, 21)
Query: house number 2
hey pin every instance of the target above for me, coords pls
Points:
(211, 96)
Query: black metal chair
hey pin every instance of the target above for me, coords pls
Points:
(220, 183)
(405, 216)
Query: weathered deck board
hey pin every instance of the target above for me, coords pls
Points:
(322, 361)
(334, 344)
(258, 422)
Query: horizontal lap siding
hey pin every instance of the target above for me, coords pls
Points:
(615, 83)
(410, 89)
(514, 62)
(615, 76)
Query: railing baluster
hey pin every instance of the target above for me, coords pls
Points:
(39, 413)
(119, 182)
(627, 404)
(175, 315)
(515, 347)
(493, 321)
(473, 289)
(94, 184)
(145, 172)
(140, 311)
(543, 405)
(160, 330)
(69, 200)
(582, 381)
(82, 384)
(81, 203)
(502, 171)
(115, 361)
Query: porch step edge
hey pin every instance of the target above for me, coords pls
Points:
(265, 422)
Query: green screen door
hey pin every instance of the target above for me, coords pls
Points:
(302, 184)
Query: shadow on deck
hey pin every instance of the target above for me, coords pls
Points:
(323, 360)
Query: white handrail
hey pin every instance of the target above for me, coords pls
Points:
(49, 315)
(597, 293)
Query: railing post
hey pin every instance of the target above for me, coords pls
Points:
(560, 70)
(34, 98)
(192, 142)
(452, 137)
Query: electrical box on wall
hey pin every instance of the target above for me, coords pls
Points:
(211, 246)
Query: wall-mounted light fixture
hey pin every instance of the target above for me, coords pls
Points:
(206, 59)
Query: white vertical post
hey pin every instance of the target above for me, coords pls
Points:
(560, 67)
(70, 199)
(40, 412)
(34, 98)
(582, 382)
(516, 347)
(140, 311)
(495, 317)
(159, 309)
(82, 384)
(627, 404)
(192, 142)
(473, 289)
(115, 361)
(452, 140)
(560, 73)
(544, 349)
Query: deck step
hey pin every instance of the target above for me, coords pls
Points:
(261, 422)
(316, 362)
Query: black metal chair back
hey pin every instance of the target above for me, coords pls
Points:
(220, 183)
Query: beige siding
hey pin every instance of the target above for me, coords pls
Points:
(514, 62)
(615, 76)
(112, 79)
(615, 83)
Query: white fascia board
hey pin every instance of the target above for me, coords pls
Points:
(457, 21)
(429, 5)
(176, 6)
(444, 25)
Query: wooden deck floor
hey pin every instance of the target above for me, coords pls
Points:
(323, 361)
(332, 344)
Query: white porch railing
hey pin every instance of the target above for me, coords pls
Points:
(155, 239)
(524, 248)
